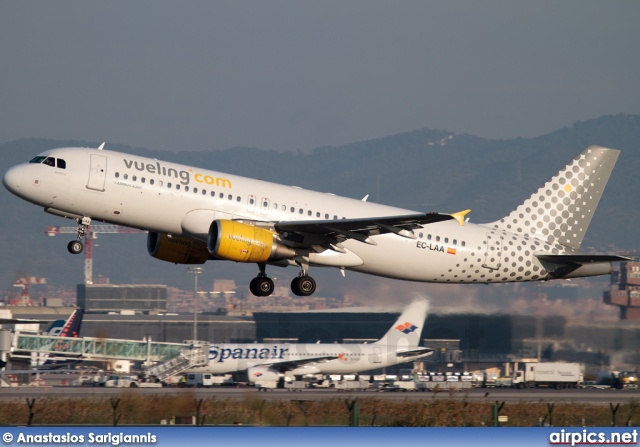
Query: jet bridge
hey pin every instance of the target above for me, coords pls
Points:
(168, 358)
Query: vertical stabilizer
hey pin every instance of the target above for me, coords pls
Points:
(561, 210)
(408, 328)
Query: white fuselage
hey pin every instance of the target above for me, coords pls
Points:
(175, 199)
(349, 358)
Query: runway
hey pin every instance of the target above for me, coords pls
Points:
(584, 396)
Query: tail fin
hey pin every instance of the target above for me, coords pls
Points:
(561, 210)
(69, 328)
(408, 328)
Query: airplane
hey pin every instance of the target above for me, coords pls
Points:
(194, 215)
(61, 329)
(269, 361)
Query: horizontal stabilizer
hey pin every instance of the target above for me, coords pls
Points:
(580, 259)
(415, 352)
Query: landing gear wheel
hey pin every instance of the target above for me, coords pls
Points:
(261, 286)
(303, 285)
(75, 247)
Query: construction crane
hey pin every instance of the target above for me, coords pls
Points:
(92, 233)
(24, 283)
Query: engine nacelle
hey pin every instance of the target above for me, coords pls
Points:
(176, 249)
(260, 373)
(240, 242)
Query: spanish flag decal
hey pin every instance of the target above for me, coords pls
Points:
(451, 251)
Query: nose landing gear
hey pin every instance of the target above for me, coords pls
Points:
(76, 247)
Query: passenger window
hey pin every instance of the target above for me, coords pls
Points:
(437, 238)
(221, 195)
(455, 242)
(151, 182)
(204, 192)
(178, 187)
(428, 237)
(134, 178)
(142, 179)
(446, 240)
(251, 201)
(61, 163)
(126, 176)
(168, 184)
(309, 213)
(195, 190)
(160, 183)
(230, 197)
(293, 210)
(326, 216)
(462, 243)
(335, 217)
(301, 211)
(186, 188)
(318, 214)
(117, 175)
(238, 199)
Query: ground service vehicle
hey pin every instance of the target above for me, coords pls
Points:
(557, 375)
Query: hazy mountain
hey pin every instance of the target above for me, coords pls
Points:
(424, 170)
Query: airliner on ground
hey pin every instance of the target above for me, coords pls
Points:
(269, 361)
(63, 329)
(194, 215)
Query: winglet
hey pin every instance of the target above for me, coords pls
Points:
(101, 146)
(459, 216)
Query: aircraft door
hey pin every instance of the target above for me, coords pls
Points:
(375, 356)
(493, 257)
(97, 172)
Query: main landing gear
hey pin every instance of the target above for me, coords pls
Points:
(262, 285)
(303, 285)
(76, 247)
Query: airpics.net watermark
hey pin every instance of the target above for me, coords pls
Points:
(114, 439)
(592, 437)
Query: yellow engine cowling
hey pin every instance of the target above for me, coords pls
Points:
(176, 249)
(240, 242)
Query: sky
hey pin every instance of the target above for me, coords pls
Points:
(295, 75)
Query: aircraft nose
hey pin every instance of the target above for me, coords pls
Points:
(12, 179)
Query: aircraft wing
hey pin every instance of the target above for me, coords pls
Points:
(359, 229)
(293, 364)
(21, 321)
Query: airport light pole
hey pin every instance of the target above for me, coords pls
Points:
(195, 271)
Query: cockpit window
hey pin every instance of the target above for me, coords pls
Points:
(50, 161)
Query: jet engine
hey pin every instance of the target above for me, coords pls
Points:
(236, 241)
(176, 249)
(258, 373)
